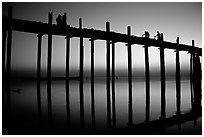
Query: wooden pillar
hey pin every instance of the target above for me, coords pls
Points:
(197, 83)
(67, 79)
(113, 85)
(38, 80)
(130, 111)
(147, 83)
(49, 61)
(163, 84)
(191, 74)
(39, 56)
(92, 84)
(108, 77)
(4, 36)
(4, 120)
(81, 78)
(8, 66)
(178, 81)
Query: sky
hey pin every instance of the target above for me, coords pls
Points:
(183, 20)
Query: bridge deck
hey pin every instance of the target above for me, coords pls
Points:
(44, 28)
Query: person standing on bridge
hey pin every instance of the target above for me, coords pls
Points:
(158, 36)
(59, 20)
(64, 19)
(146, 35)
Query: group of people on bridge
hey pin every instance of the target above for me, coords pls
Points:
(61, 20)
(158, 36)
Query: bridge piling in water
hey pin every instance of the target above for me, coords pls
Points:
(108, 76)
(81, 92)
(129, 53)
(162, 73)
(49, 71)
(113, 85)
(147, 81)
(8, 67)
(92, 85)
(67, 80)
(39, 47)
(191, 74)
(178, 81)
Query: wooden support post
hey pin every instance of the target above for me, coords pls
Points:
(113, 85)
(67, 79)
(4, 36)
(130, 111)
(108, 77)
(163, 84)
(197, 83)
(38, 80)
(39, 56)
(178, 81)
(4, 120)
(81, 78)
(49, 65)
(8, 66)
(147, 83)
(92, 84)
(191, 75)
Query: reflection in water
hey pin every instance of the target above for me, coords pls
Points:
(30, 111)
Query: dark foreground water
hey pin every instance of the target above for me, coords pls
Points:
(25, 118)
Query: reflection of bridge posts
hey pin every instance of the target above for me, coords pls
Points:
(113, 84)
(49, 61)
(38, 80)
(92, 84)
(67, 79)
(130, 111)
(81, 77)
(163, 94)
(108, 77)
(147, 83)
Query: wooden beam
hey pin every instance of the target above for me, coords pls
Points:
(39, 27)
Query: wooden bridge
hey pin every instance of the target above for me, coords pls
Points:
(10, 24)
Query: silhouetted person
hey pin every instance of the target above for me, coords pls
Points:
(158, 36)
(146, 35)
(64, 19)
(59, 20)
